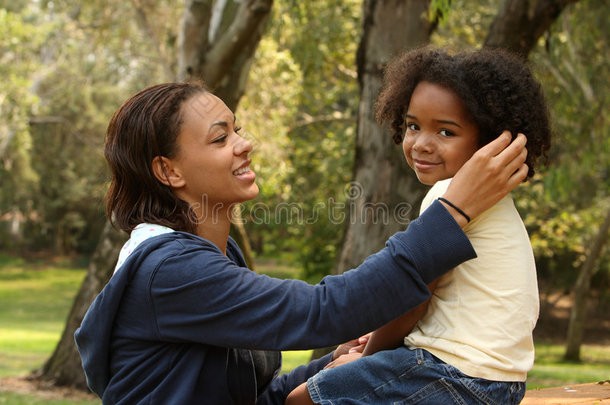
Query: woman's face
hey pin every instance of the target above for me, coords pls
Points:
(440, 136)
(212, 158)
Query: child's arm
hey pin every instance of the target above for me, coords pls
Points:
(392, 334)
(299, 396)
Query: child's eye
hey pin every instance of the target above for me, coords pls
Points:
(411, 126)
(237, 129)
(444, 132)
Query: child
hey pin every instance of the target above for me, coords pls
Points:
(472, 341)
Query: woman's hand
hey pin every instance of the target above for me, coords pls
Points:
(343, 359)
(490, 174)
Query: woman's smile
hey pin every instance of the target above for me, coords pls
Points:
(244, 172)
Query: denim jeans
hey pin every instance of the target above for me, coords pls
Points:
(406, 376)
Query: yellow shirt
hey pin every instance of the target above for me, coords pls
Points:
(482, 314)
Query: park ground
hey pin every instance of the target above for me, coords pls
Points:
(550, 331)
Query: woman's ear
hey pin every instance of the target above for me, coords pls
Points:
(165, 172)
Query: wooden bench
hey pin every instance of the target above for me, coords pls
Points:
(594, 393)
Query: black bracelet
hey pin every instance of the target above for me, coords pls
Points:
(449, 203)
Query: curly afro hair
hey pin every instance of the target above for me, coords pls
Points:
(497, 88)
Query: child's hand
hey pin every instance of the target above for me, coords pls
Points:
(353, 346)
(490, 174)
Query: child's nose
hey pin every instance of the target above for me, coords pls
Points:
(423, 143)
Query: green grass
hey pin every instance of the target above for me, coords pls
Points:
(293, 359)
(35, 300)
(10, 398)
(34, 304)
(551, 370)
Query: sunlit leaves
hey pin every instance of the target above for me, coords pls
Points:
(68, 65)
(300, 103)
(21, 37)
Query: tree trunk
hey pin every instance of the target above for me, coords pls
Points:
(217, 44)
(520, 23)
(382, 181)
(578, 315)
(64, 366)
(384, 194)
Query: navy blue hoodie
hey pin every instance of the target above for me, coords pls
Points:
(182, 323)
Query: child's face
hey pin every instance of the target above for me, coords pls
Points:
(440, 136)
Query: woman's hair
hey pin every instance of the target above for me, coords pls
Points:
(144, 127)
(498, 90)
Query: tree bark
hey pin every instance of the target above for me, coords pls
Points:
(64, 366)
(221, 59)
(217, 44)
(384, 194)
(578, 314)
(520, 23)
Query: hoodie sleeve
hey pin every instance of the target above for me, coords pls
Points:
(199, 295)
(283, 385)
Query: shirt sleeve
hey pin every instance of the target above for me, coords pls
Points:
(437, 190)
(199, 295)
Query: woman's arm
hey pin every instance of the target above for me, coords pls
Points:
(214, 295)
(392, 334)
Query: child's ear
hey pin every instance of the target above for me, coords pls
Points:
(164, 170)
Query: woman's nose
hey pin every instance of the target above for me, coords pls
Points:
(242, 146)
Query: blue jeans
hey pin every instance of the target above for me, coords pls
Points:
(405, 376)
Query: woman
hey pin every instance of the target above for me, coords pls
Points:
(183, 320)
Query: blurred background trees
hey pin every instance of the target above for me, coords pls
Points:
(66, 65)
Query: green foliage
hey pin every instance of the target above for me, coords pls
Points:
(564, 205)
(439, 9)
(464, 23)
(68, 66)
(20, 42)
(575, 73)
(303, 84)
